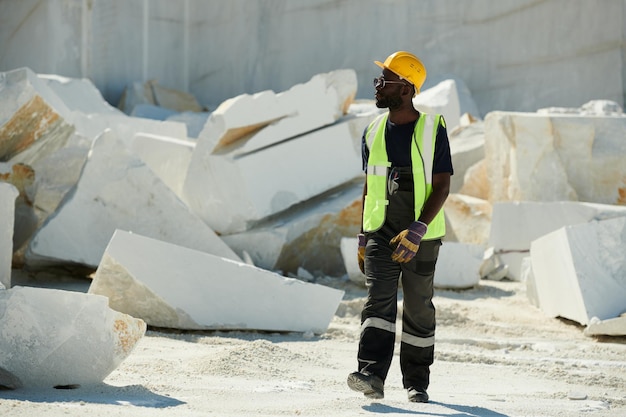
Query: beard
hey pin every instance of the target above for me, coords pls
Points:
(390, 102)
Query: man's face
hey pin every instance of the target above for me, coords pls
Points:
(390, 95)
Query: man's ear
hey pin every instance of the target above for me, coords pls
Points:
(410, 90)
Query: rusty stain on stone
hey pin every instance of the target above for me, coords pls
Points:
(22, 176)
(128, 336)
(621, 199)
(32, 121)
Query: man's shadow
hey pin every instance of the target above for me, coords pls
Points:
(136, 395)
(463, 410)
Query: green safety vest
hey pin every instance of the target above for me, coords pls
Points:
(422, 159)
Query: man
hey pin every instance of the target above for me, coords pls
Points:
(406, 157)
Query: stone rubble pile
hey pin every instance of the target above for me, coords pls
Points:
(239, 201)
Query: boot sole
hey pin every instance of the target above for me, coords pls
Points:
(357, 384)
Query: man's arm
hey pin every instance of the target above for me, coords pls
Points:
(434, 203)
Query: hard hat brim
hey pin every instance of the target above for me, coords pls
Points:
(383, 66)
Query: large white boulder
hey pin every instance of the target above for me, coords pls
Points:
(443, 99)
(232, 193)
(175, 287)
(458, 265)
(467, 148)
(56, 338)
(78, 94)
(514, 225)
(468, 219)
(579, 271)
(33, 120)
(562, 157)
(258, 155)
(118, 190)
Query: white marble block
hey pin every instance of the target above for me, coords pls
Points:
(537, 157)
(307, 236)
(78, 94)
(33, 120)
(8, 194)
(260, 154)
(468, 218)
(443, 99)
(231, 193)
(514, 225)
(167, 157)
(458, 265)
(175, 287)
(580, 271)
(118, 190)
(610, 327)
(467, 147)
(56, 338)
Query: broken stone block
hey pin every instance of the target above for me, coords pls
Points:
(443, 99)
(8, 194)
(475, 181)
(231, 194)
(609, 327)
(467, 147)
(320, 102)
(492, 267)
(22, 177)
(468, 218)
(534, 157)
(458, 265)
(32, 118)
(56, 338)
(91, 115)
(306, 236)
(579, 271)
(175, 287)
(247, 134)
(118, 190)
(78, 94)
(126, 127)
(514, 225)
(167, 157)
(239, 117)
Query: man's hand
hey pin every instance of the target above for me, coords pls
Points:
(361, 251)
(407, 242)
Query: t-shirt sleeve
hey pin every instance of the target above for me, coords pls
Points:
(443, 158)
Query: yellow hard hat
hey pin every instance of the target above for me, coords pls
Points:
(406, 66)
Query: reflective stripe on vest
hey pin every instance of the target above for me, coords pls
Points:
(422, 160)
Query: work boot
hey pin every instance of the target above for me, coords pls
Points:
(417, 395)
(370, 385)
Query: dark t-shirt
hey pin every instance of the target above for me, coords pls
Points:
(398, 140)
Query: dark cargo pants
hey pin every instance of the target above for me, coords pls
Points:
(378, 330)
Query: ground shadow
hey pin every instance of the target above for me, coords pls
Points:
(136, 395)
(463, 410)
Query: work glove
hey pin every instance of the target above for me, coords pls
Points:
(407, 242)
(361, 251)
